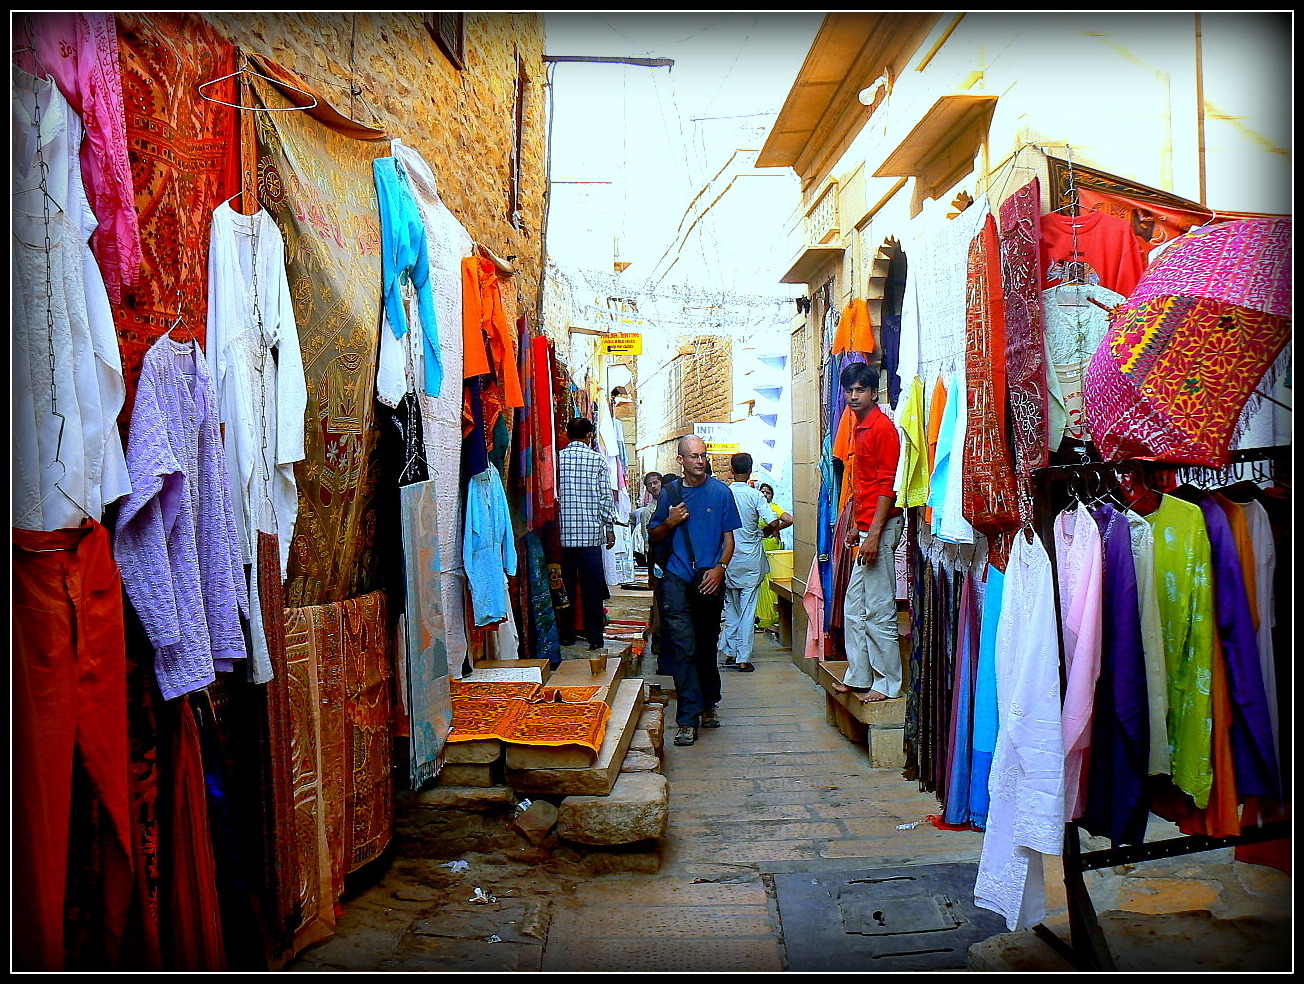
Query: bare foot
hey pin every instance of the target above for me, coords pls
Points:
(872, 696)
(840, 688)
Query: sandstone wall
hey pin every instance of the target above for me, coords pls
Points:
(462, 121)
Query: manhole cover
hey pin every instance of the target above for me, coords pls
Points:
(914, 917)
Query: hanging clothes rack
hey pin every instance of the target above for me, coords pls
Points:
(1087, 948)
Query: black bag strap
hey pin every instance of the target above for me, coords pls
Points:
(676, 497)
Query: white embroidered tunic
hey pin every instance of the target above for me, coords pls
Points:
(67, 386)
(1026, 817)
(253, 345)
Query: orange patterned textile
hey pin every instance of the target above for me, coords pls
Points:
(339, 674)
(184, 162)
(502, 689)
(319, 186)
(567, 695)
(560, 724)
(478, 718)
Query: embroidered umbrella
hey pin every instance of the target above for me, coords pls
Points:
(1186, 351)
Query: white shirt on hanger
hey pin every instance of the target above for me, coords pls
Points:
(263, 396)
(68, 459)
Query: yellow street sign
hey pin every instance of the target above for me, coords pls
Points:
(622, 343)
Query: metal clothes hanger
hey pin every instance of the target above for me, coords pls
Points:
(241, 75)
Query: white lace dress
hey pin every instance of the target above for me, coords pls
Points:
(1026, 817)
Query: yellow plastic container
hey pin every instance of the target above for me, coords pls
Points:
(780, 564)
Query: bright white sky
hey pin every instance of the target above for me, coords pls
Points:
(658, 133)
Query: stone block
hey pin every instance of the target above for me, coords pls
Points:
(851, 729)
(653, 721)
(890, 713)
(597, 779)
(536, 823)
(482, 751)
(468, 799)
(887, 749)
(636, 761)
(642, 742)
(467, 775)
(636, 809)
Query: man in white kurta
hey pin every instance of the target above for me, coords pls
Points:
(747, 569)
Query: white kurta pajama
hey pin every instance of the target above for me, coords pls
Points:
(747, 569)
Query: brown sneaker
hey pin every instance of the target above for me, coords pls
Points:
(710, 719)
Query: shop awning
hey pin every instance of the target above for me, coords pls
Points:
(941, 148)
(810, 262)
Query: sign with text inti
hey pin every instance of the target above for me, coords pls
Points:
(719, 438)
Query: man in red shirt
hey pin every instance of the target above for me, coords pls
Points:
(869, 609)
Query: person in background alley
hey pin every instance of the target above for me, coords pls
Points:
(587, 521)
(774, 523)
(651, 489)
(700, 528)
(869, 607)
(748, 569)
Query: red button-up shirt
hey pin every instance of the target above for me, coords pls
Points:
(877, 448)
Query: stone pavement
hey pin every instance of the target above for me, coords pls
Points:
(775, 789)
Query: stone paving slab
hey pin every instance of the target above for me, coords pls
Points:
(659, 891)
(725, 955)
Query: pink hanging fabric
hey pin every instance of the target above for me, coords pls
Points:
(80, 52)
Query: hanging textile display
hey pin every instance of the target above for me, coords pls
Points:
(1092, 247)
(1079, 563)
(69, 703)
(1182, 567)
(1182, 359)
(447, 242)
(934, 303)
(1077, 317)
(281, 859)
(1025, 820)
(80, 52)
(68, 460)
(989, 501)
(339, 670)
(176, 540)
(545, 641)
(428, 666)
(1025, 344)
(184, 161)
(1116, 803)
(489, 549)
(405, 266)
(1253, 749)
(253, 345)
(318, 185)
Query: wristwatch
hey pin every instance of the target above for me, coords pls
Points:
(723, 565)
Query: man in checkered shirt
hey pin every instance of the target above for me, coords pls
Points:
(587, 521)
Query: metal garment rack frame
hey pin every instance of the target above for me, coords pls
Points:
(1087, 948)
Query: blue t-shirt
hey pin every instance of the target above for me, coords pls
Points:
(712, 513)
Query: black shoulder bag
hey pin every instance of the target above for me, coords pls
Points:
(662, 550)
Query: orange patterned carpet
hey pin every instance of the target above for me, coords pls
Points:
(494, 688)
(478, 718)
(566, 695)
(558, 716)
(560, 724)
